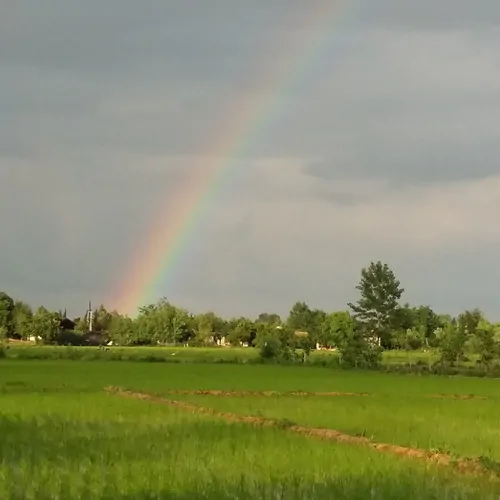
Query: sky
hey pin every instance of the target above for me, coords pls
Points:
(386, 148)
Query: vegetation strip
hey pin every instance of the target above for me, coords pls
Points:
(262, 393)
(463, 465)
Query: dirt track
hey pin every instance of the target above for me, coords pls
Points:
(262, 393)
(457, 396)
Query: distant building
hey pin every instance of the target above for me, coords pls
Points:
(67, 324)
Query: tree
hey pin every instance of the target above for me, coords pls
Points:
(358, 350)
(276, 343)
(6, 312)
(428, 319)
(304, 319)
(243, 330)
(122, 330)
(300, 317)
(411, 339)
(452, 341)
(161, 323)
(209, 327)
(81, 324)
(271, 319)
(101, 319)
(335, 329)
(22, 316)
(377, 307)
(487, 347)
(468, 321)
(44, 324)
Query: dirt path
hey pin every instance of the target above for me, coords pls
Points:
(456, 396)
(261, 393)
(465, 466)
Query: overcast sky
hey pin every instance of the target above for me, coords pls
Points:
(387, 147)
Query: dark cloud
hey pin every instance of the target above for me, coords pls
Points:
(109, 110)
(445, 14)
(433, 164)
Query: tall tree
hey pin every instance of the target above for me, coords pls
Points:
(244, 330)
(300, 317)
(468, 321)
(21, 317)
(270, 319)
(102, 319)
(377, 307)
(336, 328)
(303, 318)
(452, 342)
(6, 313)
(44, 324)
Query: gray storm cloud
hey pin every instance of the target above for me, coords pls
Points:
(389, 151)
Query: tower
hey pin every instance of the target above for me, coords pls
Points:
(90, 316)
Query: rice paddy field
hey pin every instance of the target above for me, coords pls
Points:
(129, 430)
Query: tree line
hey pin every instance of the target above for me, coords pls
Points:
(376, 322)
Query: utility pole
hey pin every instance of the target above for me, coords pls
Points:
(90, 317)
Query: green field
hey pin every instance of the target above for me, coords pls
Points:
(64, 437)
(191, 354)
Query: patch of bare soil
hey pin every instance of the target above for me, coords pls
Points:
(465, 466)
(457, 396)
(261, 393)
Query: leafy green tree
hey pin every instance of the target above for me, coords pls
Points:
(269, 318)
(101, 319)
(6, 314)
(468, 321)
(411, 339)
(335, 329)
(22, 316)
(428, 319)
(243, 330)
(208, 327)
(304, 319)
(277, 344)
(81, 325)
(485, 343)
(300, 317)
(405, 317)
(161, 323)
(377, 307)
(269, 345)
(452, 342)
(44, 324)
(122, 330)
(358, 350)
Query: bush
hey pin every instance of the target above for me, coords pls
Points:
(269, 347)
(358, 351)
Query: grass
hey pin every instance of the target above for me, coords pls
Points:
(157, 377)
(62, 437)
(462, 428)
(191, 354)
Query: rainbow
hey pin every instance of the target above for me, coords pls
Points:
(245, 122)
